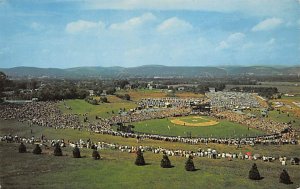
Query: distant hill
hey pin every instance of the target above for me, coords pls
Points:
(148, 71)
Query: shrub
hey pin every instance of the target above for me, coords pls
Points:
(139, 158)
(254, 173)
(22, 148)
(165, 162)
(37, 150)
(76, 152)
(285, 177)
(57, 150)
(189, 164)
(103, 99)
(96, 154)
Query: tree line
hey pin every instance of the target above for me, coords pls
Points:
(267, 92)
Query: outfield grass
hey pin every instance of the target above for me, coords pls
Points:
(223, 129)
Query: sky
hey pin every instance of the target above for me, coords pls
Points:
(128, 33)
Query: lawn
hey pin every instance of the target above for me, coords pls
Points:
(137, 95)
(223, 129)
(117, 169)
(280, 117)
(103, 110)
(283, 87)
(289, 106)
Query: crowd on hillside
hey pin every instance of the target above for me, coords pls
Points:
(231, 100)
(258, 123)
(40, 113)
(147, 114)
(168, 102)
(100, 145)
(47, 114)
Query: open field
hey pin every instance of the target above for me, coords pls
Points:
(102, 110)
(137, 95)
(281, 117)
(22, 129)
(158, 126)
(222, 129)
(289, 106)
(117, 170)
(283, 87)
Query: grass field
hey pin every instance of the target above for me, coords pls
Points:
(117, 169)
(137, 95)
(283, 87)
(102, 110)
(223, 129)
(289, 106)
(280, 117)
(158, 126)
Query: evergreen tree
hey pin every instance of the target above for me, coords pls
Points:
(254, 173)
(57, 150)
(76, 152)
(165, 162)
(22, 148)
(139, 158)
(189, 164)
(96, 154)
(37, 150)
(285, 177)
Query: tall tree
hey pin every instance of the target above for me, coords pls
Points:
(3, 79)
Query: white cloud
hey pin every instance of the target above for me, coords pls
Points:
(234, 40)
(83, 25)
(133, 22)
(268, 24)
(174, 25)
